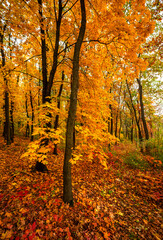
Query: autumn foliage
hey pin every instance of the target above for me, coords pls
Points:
(81, 91)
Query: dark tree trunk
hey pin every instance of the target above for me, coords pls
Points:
(110, 120)
(132, 131)
(67, 183)
(47, 83)
(31, 101)
(12, 103)
(27, 126)
(74, 137)
(116, 124)
(126, 130)
(110, 123)
(7, 119)
(56, 124)
(136, 119)
(120, 125)
(142, 110)
(7, 135)
(43, 53)
(111, 130)
(12, 121)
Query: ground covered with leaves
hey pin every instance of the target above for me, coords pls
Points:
(118, 203)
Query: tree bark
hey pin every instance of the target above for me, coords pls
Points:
(7, 118)
(136, 119)
(31, 101)
(132, 131)
(120, 124)
(43, 53)
(47, 84)
(7, 135)
(116, 124)
(142, 110)
(67, 182)
(27, 127)
(12, 121)
(56, 124)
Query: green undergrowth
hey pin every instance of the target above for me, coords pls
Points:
(136, 160)
(130, 155)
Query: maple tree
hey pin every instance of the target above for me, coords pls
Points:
(80, 79)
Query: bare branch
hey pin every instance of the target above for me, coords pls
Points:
(70, 8)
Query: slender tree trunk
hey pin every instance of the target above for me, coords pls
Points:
(120, 125)
(43, 53)
(74, 138)
(7, 118)
(56, 124)
(142, 111)
(7, 135)
(111, 120)
(12, 102)
(47, 83)
(116, 124)
(67, 182)
(110, 123)
(136, 119)
(12, 121)
(27, 126)
(31, 101)
(126, 130)
(132, 130)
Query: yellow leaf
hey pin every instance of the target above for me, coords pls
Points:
(8, 214)
(120, 213)
(45, 162)
(7, 235)
(145, 221)
(23, 210)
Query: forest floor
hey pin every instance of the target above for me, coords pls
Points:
(118, 203)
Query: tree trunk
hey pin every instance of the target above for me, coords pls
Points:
(31, 101)
(27, 127)
(6, 93)
(136, 119)
(132, 131)
(142, 110)
(120, 124)
(67, 183)
(110, 120)
(7, 118)
(12, 102)
(58, 106)
(116, 124)
(12, 121)
(47, 83)
(43, 53)
(74, 137)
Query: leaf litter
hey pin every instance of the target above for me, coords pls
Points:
(118, 203)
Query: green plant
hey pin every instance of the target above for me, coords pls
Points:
(155, 147)
(136, 160)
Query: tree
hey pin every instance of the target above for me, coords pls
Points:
(7, 134)
(67, 184)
